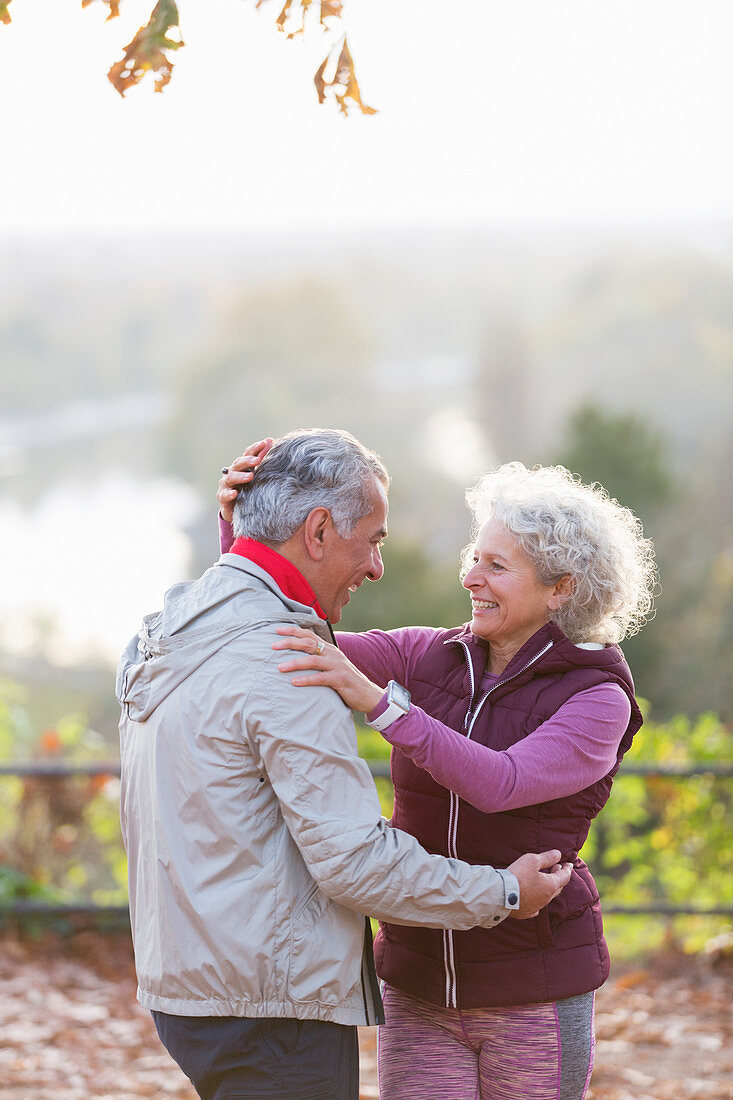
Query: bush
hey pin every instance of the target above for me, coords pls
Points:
(660, 840)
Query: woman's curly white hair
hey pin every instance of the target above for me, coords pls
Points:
(565, 527)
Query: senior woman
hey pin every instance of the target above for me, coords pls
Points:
(506, 735)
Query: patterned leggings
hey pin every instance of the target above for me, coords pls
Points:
(536, 1052)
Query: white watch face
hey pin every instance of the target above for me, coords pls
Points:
(399, 695)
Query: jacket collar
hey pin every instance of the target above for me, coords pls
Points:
(288, 578)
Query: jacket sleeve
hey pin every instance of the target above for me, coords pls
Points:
(305, 741)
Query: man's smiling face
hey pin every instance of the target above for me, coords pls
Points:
(352, 559)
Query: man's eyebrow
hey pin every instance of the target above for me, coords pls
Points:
(381, 533)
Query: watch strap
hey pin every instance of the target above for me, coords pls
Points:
(387, 709)
(389, 715)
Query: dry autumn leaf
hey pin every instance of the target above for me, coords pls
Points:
(147, 51)
(69, 1012)
(330, 9)
(285, 13)
(114, 6)
(343, 83)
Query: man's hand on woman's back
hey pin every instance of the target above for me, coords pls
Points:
(540, 878)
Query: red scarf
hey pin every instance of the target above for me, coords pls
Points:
(289, 579)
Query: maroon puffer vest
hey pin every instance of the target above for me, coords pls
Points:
(562, 951)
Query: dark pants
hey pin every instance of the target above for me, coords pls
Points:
(231, 1058)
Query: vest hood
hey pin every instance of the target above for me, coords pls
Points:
(560, 654)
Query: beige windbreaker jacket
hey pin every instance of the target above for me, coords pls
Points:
(253, 830)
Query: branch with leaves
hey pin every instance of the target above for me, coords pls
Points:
(151, 48)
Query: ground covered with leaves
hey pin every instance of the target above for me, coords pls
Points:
(70, 1028)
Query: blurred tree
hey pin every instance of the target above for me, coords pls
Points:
(622, 451)
(414, 591)
(646, 329)
(628, 456)
(502, 387)
(681, 660)
(150, 49)
(698, 598)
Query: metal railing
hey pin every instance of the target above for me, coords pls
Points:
(56, 769)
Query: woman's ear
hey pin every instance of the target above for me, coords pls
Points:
(561, 592)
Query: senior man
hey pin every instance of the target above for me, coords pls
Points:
(253, 830)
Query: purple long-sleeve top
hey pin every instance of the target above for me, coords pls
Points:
(571, 750)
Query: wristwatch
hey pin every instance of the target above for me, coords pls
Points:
(398, 703)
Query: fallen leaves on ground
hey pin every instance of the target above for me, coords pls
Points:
(666, 1032)
(72, 1029)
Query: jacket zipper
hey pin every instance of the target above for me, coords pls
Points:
(449, 962)
(370, 994)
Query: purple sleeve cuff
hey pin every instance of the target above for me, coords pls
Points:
(379, 710)
(226, 535)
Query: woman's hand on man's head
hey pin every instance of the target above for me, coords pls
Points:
(238, 473)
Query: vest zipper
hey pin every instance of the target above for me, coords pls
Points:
(449, 961)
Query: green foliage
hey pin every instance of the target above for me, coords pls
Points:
(14, 886)
(659, 840)
(666, 840)
(372, 746)
(14, 722)
(59, 837)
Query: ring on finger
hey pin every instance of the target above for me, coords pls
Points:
(320, 646)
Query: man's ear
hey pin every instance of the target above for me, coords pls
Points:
(561, 592)
(317, 525)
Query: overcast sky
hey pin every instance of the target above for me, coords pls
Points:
(490, 113)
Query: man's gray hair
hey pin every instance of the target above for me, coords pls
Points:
(307, 469)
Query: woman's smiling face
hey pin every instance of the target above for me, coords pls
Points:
(508, 602)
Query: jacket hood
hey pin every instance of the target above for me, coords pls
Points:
(198, 619)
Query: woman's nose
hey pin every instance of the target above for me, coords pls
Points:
(470, 578)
